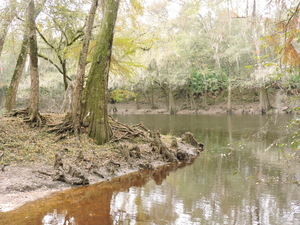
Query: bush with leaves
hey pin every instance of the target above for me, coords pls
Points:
(205, 81)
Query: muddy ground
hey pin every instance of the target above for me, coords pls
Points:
(35, 162)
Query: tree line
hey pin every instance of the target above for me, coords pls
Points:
(100, 50)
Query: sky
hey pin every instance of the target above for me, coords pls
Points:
(238, 5)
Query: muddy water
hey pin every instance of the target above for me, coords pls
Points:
(245, 183)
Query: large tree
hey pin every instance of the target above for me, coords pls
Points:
(79, 81)
(33, 108)
(11, 93)
(96, 92)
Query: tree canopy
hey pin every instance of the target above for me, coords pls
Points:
(198, 49)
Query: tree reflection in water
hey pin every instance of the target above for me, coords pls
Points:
(57, 219)
(86, 205)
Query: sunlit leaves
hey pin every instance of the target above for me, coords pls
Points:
(120, 95)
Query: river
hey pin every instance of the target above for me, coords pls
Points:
(240, 178)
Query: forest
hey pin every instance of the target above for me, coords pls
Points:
(175, 55)
(70, 69)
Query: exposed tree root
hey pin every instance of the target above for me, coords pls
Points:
(34, 120)
(120, 131)
(125, 132)
(133, 147)
(63, 127)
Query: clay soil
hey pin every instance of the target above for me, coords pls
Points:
(35, 163)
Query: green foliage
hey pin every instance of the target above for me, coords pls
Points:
(294, 81)
(292, 140)
(120, 95)
(202, 81)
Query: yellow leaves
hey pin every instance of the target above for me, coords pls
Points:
(287, 33)
(120, 95)
(290, 55)
(273, 40)
(73, 51)
(137, 6)
(126, 47)
(125, 68)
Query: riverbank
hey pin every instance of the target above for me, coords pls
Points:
(35, 163)
(243, 101)
(239, 109)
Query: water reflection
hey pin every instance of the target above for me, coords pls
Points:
(244, 184)
(57, 219)
(86, 205)
(247, 183)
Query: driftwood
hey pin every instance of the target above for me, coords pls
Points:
(174, 144)
(162, 149)
(146, 166)
(188, 137)
(43, 173)
(112, 167)
(135, 152)
(125, 132)
(73, 175)
(125, 152)
(182, 155)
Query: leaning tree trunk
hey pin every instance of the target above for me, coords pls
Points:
(96, 93)
(33, 108)
(11, 93)
(11, 13)
(78, 85)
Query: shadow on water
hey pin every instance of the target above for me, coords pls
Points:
(84, 205)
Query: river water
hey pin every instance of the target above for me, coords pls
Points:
(249, 181)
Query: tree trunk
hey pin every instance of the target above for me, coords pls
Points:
(96, 93)
(205, 99)
(152, 97)
(137, 101)
(263, 98)
(264, 102)
(79, 81)
(65, 76)
(33, 108)
(172, 109)
(229, 103)
(11, 13)
(11, 93)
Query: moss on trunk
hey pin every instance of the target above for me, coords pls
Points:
(15, 81)
(96, 92)
(79, 81)
(33, 107)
